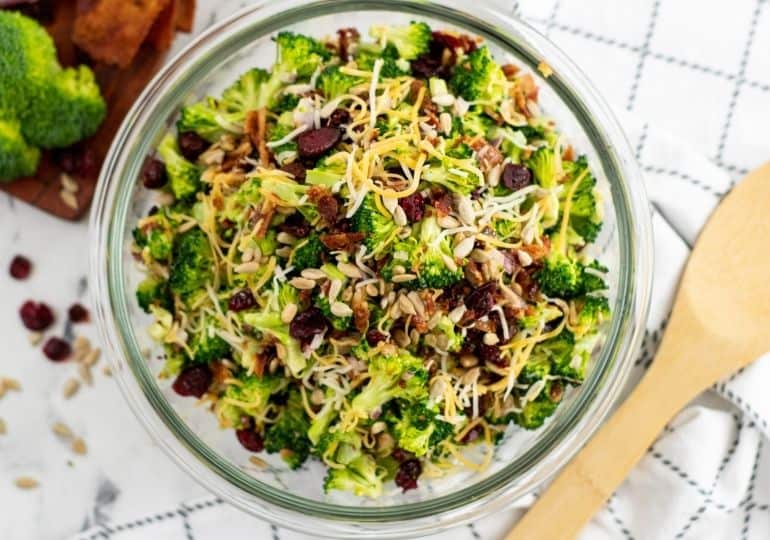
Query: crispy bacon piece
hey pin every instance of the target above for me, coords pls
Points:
(254, 127)
(346, 38)
(342, 241)
(527, 84)
(442, 202)
(328, 207)
(488, 157)
(360, 310)
(510, 71)
(264, 218)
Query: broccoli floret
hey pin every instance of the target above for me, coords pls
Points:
(333, 82)
(300, 55)
(323, 419)
(292, 194)
(426, 256)
(543, 166)
(594, 310)
(287, 152)
(17, 158)
(379, 229)
(157, 235)
(418, 430)
(248, 397)
(361, 476)
(153, 292)
(70, 108)
(540, 315)
(339, 447)
(392, 65)
(399, 376)
(308, 253)
(411, 41)
(207, 121)
(271, 323)
(285, 103)
(477, 124)
(183, 176)
(563, 275)
(252, 91)
(534, 413)
(585, 210)
(450, 330)
(269, 243)
(338, 323)
(479, 78)
(558, 352)
(459, 182)
(208, 346)
(288, 435)
(191, 266)
(326, 172)
(460, 151)
(537, 368)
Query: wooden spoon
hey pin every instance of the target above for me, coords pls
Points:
(719, 324)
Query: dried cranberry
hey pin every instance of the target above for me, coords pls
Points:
(474, 433)
(339, 118)
(482, 299)
(153, 210)
(516, 177)
(56, 349)
(427, 66)
(490, 354)
(373, 337)
(87, 163)
(453, 296)
(296, 225)
(77, 313)
(413, 206)
(191, 145)
(36, 316)
(297, 170)
(66, 160)
(193, 381)
(250, 440)
(408, 473)
(529, 287)
(242, 300)
(154, 174)
(20, 267)
(304, 326)
(316, 142)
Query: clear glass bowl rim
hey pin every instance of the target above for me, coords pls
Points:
(522, 476)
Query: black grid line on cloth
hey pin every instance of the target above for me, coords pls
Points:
(721, 388)
(188, 532)
(683, 176)
(551, 21)
(740, 79)
(616, 518)
(474, 533)
(643, 55)
(750, 491)
(642, 141)
(274, 532)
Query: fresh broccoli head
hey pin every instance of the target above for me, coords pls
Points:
(207, 345)
(479, 78)
(585, 216)
(535, 412)
(157, 235)
(338, 323)
(417, 430)
(361, 476)
(379, 229)
(399, 376)
(451, 178)
(191, 266)
(205, 119)
(288, 435)
(327, 172)
(564, 275)
(332, 82)
(249, 396)
(299, 55)
(251, 92)
(153, 292)
(308, 253)
(392, 65)
(319, 427)
(17, 158)
(285, 103)
(270, 323)
(543, 166)
(594, 310)
(183, 176)
(411, 41)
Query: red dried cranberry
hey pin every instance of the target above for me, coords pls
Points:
(56, 349)
(427, 66)
(408, 473)
(516, 177)
(87, 164)
(339, 118)
(250, 440)
(453, 296)
(242, 300)
(491, 354)
(474, 433)
(77, 313)
(316, 142)
(154, 174)
(20, 267)
(413, 206)
(297, 170)
(373, 337)
(401, 455)
(193, 381)
(191, 145)
(529, 287)
(307, 324)
(296, 225)
(482, 299)
(36, 316)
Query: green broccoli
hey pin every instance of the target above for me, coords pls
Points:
(398, 376)
(300, 55)
(426, 256)
(411, 41)
(362, 476)
(285, 103)
(208, 346)
(205, 119)
(585, 211)
(17, 158)
(379, 229)
(540, 315)
(250, 396)
(338, 323)
(339, 447)
(543, 166)
(153, 292)
(332, 82)
(292, 194)
(287, 152)
(326, 172)
(308, 253)
(476, 124)
(323, 419)
(534, 413)
(557, 351)
(184, 177)
(392, 65)
(417, 430)
(454, 338)
(453, 179)
(564, 275)
(594, 310)
(288, 435)
(191, 266)
(251, 92)
(271, 323)
(157, 235)
(478, 77)
(287, 295)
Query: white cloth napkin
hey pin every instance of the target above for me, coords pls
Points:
(708, 475)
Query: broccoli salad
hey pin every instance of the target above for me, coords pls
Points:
(372, 255)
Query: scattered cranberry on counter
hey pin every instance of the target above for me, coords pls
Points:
(36, 316)
(77, 313)
(56, 349)
(21, 267)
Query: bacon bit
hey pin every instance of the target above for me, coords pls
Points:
(234, 158)
(538, 252)
(420, 324)
(316, 193)
(494, 115)
(521, 101)
(221, 372)
(341, 241)
(347, 37)
(489, 157)
(297, 170)
(264, 217)
(260, 363)
(473, 274)
(360, 310)
(569, 153)
(327, 208)
(414, 89)
(510, 71)
(430, 304)
(527, 84)
(442, 202)
(255, 128)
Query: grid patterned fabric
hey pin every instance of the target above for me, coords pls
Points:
(690, 81)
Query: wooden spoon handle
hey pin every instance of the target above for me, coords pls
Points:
(600, 467)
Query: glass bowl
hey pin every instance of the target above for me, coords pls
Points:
(295, 499)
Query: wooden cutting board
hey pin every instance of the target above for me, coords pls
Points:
(120, 88)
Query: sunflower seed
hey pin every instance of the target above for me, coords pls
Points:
(286, 238)
(434, 320)
(350, 270)
(284, 252)
(398, 269)
(69, 199)
(493, 176)
(417, 302)
(491, 339)
(70, 388)
(247, 256)
(62, 430)
(26, 482)
(302, 283)
(34, 338)
(79, 446)
(372, 290)
(479, 256)
(378, 427)
(288, 313)
(399, 217)
(457, 313)
(254, 460)
(313, 273)
(395, 312)
(68, 183)
(464, 248)
(274, 365)
(317, 397)
(445, 121)
(406, 305)
(446, 100)
(449, 262)
(403, 278)
(524, 258)
(469, 360)
(81, 343)
(92, 357)
(390, 204)
(341, 309)
(465, 210)
(448, 222)
(247, 268)
(334, 289)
